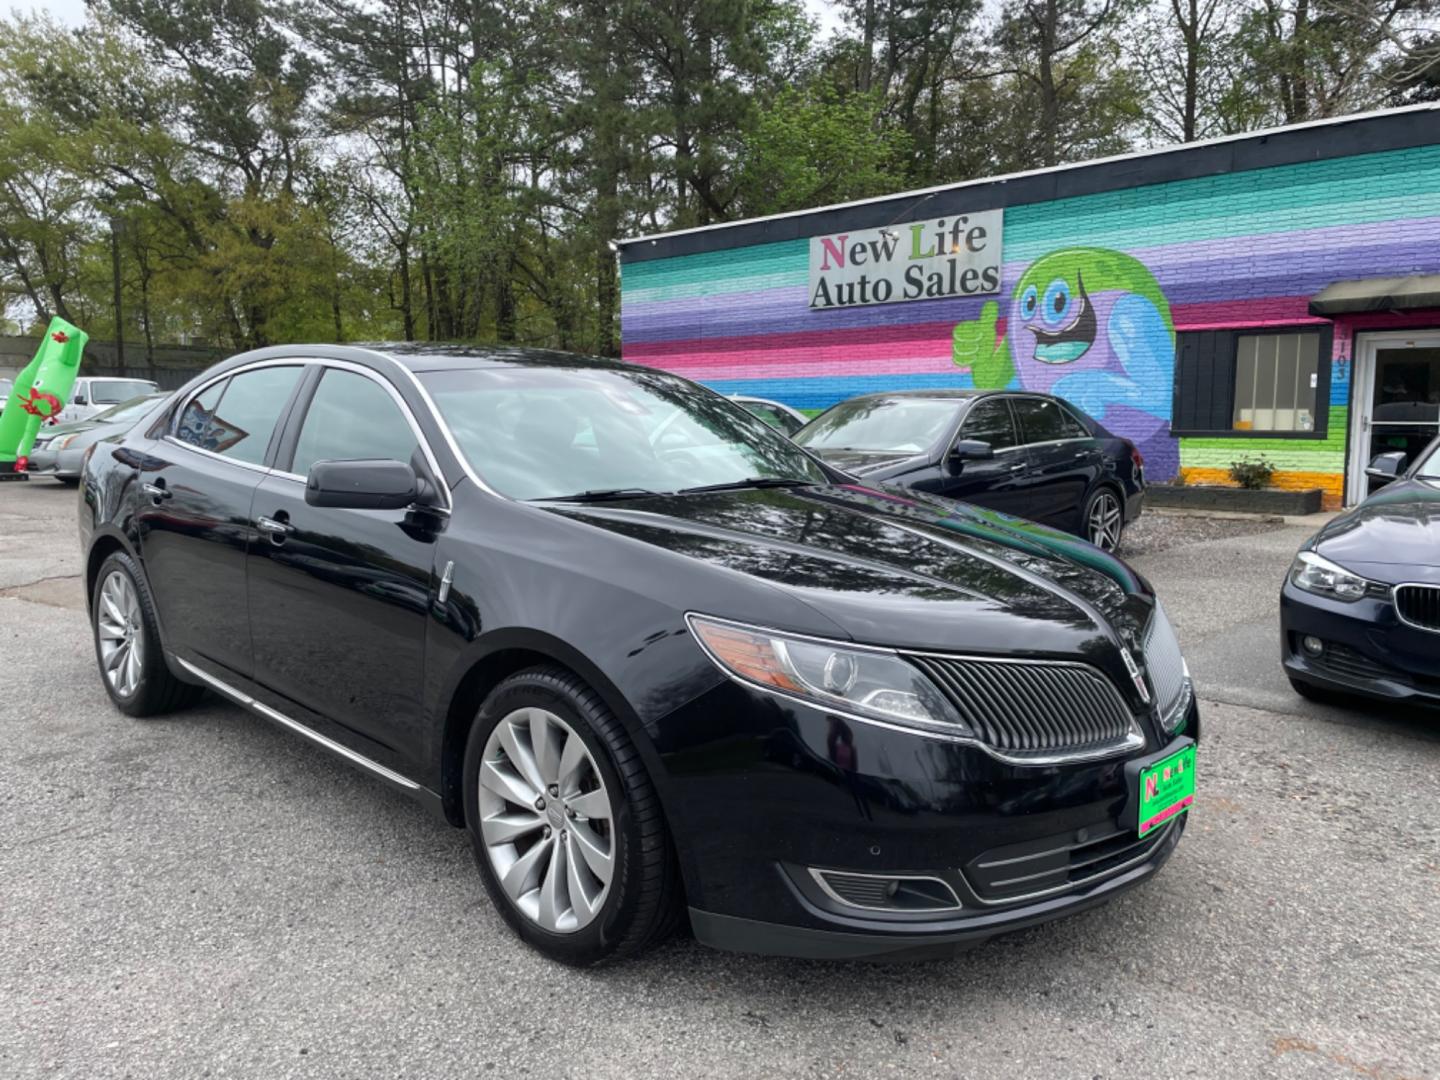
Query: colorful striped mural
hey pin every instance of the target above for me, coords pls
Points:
(1234, 250)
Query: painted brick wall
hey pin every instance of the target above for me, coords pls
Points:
(1234, 250)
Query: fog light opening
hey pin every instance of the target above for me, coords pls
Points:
(1312, 645)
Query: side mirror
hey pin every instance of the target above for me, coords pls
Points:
(372, 484)
(79, 399)
(1384, 468)
(971, 450)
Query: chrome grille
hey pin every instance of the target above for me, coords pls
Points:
(1165, 663)
(1419, 605)
(1034, 710)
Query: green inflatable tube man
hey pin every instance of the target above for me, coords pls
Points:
(40, 392)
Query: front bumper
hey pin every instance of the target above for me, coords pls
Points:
(58, 464)
(760, 818)
(1367, 652)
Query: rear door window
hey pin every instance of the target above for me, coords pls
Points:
(236, 417)
(1044, 421)
(989, 421)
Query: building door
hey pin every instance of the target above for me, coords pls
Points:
(1396, 400)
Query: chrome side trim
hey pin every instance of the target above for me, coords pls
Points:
(1095, 879)
(300, 729)
(445, 580)
(819, 877)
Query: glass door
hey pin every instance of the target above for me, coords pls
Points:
(1399, 400)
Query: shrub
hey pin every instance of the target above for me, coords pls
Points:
(1252, 475)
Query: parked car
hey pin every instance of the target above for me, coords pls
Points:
(94, 394)
(7, 386)
(779, 416)
(1360, 608)
(1030, 455)
(58, 451)
(705, 671)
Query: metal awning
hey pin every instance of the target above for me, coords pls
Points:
(1377, 294)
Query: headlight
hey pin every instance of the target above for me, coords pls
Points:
(1316, 574)
(867, 682)
(64, 441)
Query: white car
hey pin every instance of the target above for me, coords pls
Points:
(95, 393)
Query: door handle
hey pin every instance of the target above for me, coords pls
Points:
(1019, 466)
(156, 491)
(278, 530)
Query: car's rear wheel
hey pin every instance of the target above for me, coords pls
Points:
(1104, 519)
(564, 822)
(127, 643)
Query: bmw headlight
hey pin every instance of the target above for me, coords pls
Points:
(864, 681)
(1317, 574)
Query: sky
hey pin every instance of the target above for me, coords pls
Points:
(72, 12)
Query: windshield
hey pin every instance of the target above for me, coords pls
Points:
(129, 410)
(880, 425)
(544, 433)
(114, 391)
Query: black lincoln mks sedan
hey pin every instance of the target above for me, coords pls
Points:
(1360, 608)
(658, 660)
(1031, 455)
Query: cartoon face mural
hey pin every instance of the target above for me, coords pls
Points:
(1091, 326)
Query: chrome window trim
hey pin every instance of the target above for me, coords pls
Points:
(280, 718)
(1096, 879)
(174, 420)
(1134, 741)
(818, 875)
(316, 361)
(1395, 602)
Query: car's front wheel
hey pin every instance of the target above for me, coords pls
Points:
(127, 643)
(1104, 519)
(565, 824)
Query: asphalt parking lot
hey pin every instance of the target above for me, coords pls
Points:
(204, 895)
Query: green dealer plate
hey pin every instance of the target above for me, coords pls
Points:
(1167, 789)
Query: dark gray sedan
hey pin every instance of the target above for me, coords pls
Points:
(58, 450)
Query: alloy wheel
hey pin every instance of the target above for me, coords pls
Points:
(546, 820)
(121, 631)
(1106, 521)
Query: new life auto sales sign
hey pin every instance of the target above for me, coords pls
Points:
(922, 260)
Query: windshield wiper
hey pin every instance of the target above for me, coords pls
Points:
(599, 495)
(751, 482)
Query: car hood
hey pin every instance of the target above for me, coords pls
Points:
(904, 570)
(1396, 528)
(866, 462)
(68, 429)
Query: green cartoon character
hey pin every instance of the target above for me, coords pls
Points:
(1092, 326)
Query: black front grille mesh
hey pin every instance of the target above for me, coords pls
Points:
(1036, 709)
(1419, 605)
(1347, 663)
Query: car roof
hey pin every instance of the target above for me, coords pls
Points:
(942, 394)
(429, 356)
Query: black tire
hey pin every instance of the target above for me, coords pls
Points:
(1318, 694)
(643, 904)
(1114, 537)
(157, 690)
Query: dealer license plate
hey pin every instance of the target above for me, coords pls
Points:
(1167, 789)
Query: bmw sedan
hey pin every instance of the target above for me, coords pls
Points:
(1360, 608)
(1030, 455)
(58, 451)
(660, 662)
